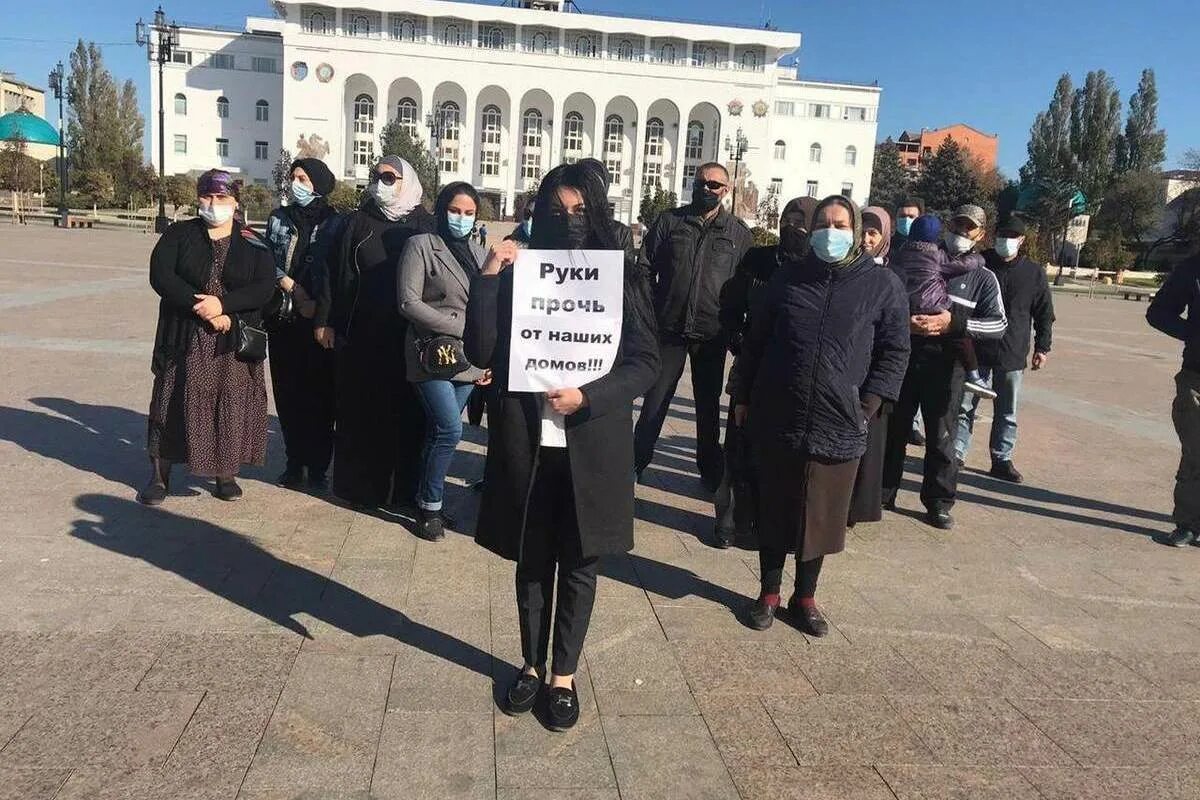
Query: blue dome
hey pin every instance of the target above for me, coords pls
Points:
(28, 126)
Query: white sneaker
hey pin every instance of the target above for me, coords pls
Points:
(980, 388)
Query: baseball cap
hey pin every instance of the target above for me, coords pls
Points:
(1014, 226)
(971, 212)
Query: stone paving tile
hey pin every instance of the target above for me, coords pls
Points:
(436, 672)
(943, 629)
(858, 669)
(30, 783)
(1075, 783)
(666, 757)
(958, 783)
(1173, 673)
(222, 661)
(744, 732)
(980, 731)
(1086, 675)
(971, 670)
(515, 793)
(638, 678)
(435, 755)
(40, 663)
(721, 667)
(203, 782)
(226, 729)
(807, 783)
(845, 729)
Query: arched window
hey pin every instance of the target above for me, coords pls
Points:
(780, 150)
(814, 153)
(360, 26)
(540, 43)
(695, 141)
(364, 114)
(223, 107)
(316, 23)
(531, 139)
(181, 105)
(706, 57)
(489, 141)
(572, 137)
(625, 50)
(406, 115)
(408, 30)
(531, 128)
(750, 59)
(666, 53)
(584, 47)
(851, 155)
(450, 118)
(262, 111)
(493, 38)
(654, 138)
(452, 35)
(614, 144)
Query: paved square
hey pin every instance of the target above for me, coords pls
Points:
(283, 647)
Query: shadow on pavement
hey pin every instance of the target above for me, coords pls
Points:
(236, 568)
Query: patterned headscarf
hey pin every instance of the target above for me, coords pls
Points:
(218, 181)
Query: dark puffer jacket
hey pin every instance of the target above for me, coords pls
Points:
(826, 343)
(689, 263)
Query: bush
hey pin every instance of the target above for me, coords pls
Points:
(1106, 251)
(763, 236)
(257, 202)
(344, 197)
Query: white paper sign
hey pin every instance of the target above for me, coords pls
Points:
(566, 317)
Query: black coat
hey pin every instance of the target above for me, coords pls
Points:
(824, 339)
(1027, 301)
(689, 263)
(179, 268)
(599, 435)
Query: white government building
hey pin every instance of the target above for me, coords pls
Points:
(506, 92)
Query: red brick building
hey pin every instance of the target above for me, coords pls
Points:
(915, 148)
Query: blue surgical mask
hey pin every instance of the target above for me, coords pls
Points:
(904, 225)
(527, 227)
(831, 244)
(303, 195)
(1008, 248)
(460, 225)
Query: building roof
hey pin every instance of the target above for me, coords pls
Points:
(1182, 174)
(22, 124)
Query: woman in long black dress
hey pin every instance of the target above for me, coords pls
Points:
(559, 474)
(207, 408)
(379, 420)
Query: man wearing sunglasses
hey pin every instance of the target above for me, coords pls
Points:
(690, 254)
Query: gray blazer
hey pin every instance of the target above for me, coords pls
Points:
(432, 290)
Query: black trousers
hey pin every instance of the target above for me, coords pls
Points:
(934, 384)
(302, 380)
(770, 568)
(737, 496)
(708, 376)
(551, 544)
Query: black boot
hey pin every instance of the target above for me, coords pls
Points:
(228, 489)
(1005, 471)
(155, 492)
(430, 525)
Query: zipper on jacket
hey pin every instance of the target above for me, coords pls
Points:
(694, 290)
(357, 282)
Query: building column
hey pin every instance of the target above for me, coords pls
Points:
(466, 140)
(554, 130)
(516, 183)
(678, 152)
(598, 130)
(731, 64)
(636, 164)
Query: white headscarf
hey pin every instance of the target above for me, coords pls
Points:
(403, 200)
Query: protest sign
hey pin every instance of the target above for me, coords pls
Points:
(566, 317)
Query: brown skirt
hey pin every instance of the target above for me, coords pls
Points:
(804, 501)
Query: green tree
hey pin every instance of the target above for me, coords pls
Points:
(761, 236)
(1095, 128)
(889, 179)
(1143, 145)
(257, 202)
(104, 125)
(95, 186)
(654, 204)
(394, 140)
(344, 197)
(948, 179)
(179, 191)
(281, 172)
(768, 211)
(1133, 205)
(1050, 157)
(18, 171)
(138, 185)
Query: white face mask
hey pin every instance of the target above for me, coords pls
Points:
(957, 244)
(216, 215)
(1008, 248)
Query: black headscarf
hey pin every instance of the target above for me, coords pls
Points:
(306, 218)
(460, 248)
(549, 228)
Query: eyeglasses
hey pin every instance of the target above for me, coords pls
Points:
(714, 186)
(388, 178)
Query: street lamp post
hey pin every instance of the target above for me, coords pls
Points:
(736, 148)
(159, 48)
(433, 121)
(56, 85)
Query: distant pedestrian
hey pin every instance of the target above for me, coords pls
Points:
(483, 236)
(907, 211)
(208, 406)
(1027, 303)
(1180, 295)
(524, 230)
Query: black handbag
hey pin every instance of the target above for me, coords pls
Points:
(442, 357)
(251, 342)
(279, 310)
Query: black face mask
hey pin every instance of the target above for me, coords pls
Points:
(793, 243)
(569, 231)
(703, 199)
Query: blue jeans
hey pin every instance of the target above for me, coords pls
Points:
(443, 402)
(1007, 386)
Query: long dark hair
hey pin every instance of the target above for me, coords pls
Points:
(589, 184)
(442, 204)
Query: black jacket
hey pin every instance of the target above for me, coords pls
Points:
(827, 345)
(179, 268)
(1026, 295)
(1179, 293)
(689, 263)
(599, 443)
(744, 292)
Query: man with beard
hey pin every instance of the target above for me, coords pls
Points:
(690, 254)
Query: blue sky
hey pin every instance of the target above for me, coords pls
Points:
(989, 65)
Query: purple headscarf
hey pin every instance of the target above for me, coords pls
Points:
(218, 181)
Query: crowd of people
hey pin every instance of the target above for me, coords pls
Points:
(385, 323)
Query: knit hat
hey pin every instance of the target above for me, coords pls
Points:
(925, 228)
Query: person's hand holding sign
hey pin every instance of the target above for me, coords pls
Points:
(566, 401)
(500, 255)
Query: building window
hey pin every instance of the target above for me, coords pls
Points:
(262, 111)
(222, 148)
(181, 57)
(489, 163)
(705, 57)
(263, 64)
(450, 117)
(666, 53)
(651, 175)
(776, 186)
(654, 138)
(780, 150)
(180, 144)
(818, 110)
(584, 47)
(452, 36)
(531, 139)
(364, 153)
(260, 151)
(316, 23)
(855, 113)
(625, 50)
(364, 114)
(851, 156)
(689, 175)
(750, 59)
(814, 153)
(223, 107)
(539, 42)
(810, 188)
(531, 128)
(489, 142)
(695, 141)
(847, 190)
(531, 168)
(360, 26)
(614, 144)
(181, 105)
(406, 115)
(572, 137)
(221, 61)
(492, 38)
(785, 108)
(404, 29)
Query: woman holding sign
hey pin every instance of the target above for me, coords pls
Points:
(436, 270)
(828, 344)
(559, 476)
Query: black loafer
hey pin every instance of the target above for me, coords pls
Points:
(724, 538)
(562, 710)
(940, 519)
(522, 695)
(228, 490)
(1005, 471)
(153, 494)
(760, 615)
(808, 618)
(430, 526)
(292, 477)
